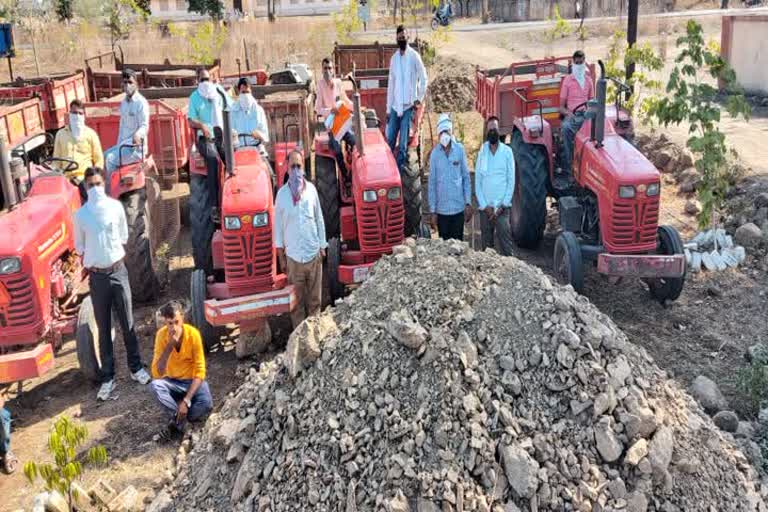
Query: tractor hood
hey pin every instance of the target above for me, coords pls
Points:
(627, 163)
(249, 191)
(378, 168)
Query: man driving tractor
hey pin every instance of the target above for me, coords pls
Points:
(576, 89)
(80, 144)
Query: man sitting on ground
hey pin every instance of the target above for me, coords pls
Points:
(178, 369)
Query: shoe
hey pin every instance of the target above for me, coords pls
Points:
(10, 463)
(105, 390)
(141, 376)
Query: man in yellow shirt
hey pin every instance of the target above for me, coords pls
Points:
(79, 143)
(178, 370)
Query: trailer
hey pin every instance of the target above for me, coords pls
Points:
(21, 121)
(55, 91)
(358, 57)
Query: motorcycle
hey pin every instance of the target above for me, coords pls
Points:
(440, 20)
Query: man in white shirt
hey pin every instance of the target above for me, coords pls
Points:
(299, 234)
(406, 88)
(494, 187)
(101, 231)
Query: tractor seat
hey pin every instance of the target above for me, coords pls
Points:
(371, 119)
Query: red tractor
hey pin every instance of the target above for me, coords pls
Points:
(608, 202)
(366, 216)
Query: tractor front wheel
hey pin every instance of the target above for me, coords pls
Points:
(327, 183)
(140, 250)
(529, 201)
(569, 267)
(333, 261)
(197, 293)
(666, 288)
(201, 223)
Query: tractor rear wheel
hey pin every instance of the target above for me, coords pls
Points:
(333, 259)
(568, 264)
(197, 293)
(200, 205)
(140, 249)
(529, 201)
(327, 183)
(87, 341)
(666, 288)
(410, 175)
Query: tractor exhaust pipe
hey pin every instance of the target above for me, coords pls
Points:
(229, 149)
(357, 125)
(598, 123)
(6, 178)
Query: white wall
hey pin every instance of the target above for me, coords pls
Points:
(749, 54)
(176, 9)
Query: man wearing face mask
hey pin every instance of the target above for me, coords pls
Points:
(79, 143)
(249, 119)
(405, 91)
(101, 231)
(329, 92)
(494, 186)
(205, 115)
(576, 89)
(449, 186)
(132, 142)
(300, 238)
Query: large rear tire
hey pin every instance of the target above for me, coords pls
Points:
(568, 264)
(410, 175)
(197, 293)
(664, 289)
(140, 250)
(87, 341)
(200, 205)
(327, 183)
(529, 201)
(335, 288)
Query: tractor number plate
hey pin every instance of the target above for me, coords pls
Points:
(360, 274)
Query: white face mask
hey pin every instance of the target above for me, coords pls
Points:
(76, 124)
(579, 72)
(445, 139)
(246, 100)
(207, 90)
(96, 193)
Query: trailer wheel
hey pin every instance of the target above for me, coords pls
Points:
(410, 176)
(529, 202)
(197, 293)
(87, 341)
(333, 261)
(327, 182)
(140, 250)
(200, 204)
(569, 267)
(666, 288)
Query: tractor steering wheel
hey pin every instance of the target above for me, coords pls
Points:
(580, 106)
(71, 164)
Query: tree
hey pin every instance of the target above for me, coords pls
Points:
(121, 15)
(63, 443)
(693, 99)
(64, 10)
(212, 8)
(144, 6)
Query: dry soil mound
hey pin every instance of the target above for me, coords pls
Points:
(452, 86)
(462, 381)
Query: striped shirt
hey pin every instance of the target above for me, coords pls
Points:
(449, 186)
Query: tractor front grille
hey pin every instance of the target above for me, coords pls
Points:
(248, 260)
(381, 226)
(633, 224)
(21, 311)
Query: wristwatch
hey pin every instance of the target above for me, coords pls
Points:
(188, 402)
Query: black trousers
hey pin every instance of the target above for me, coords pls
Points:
(212, 151)
(335, 145)
(451, 226)
(112, 291)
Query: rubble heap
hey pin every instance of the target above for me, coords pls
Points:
(461, 381)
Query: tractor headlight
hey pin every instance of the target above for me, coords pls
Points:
(231, 223)
(260, 220)
(369, 196)
(652, 190)
(9, 266)
(394, 193)
(626, 192)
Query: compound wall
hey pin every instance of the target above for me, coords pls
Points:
(744, 45)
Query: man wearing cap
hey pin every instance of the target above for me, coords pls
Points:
(132, 139)
(449, 186)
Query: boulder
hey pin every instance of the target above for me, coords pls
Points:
(748, 235)
(709, 396)
(727, 421)
(693, 207)
(521, 470)
(608, 444)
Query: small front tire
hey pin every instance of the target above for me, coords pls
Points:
(569, 267)
(668, 288)
(197, 292)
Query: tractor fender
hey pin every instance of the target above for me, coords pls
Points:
(537, 131)
(321, 146)
(131, 177)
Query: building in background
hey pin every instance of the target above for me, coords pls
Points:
(744, 46)
(177, 9)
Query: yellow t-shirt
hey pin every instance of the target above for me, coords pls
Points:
(186, 363)
(86, 150)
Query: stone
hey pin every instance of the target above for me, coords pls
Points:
(620, 371)
(636, 452)
(402, 250)
(617, 488)
(637, 502)
(565, 356)
(604, 402)
(709, 396)
(304, 343)
(661, 448)
(757, 353)
(511, 507)
(662, 158)
(693, 207)
(102, 493)
(253, 342)
(640, 423)
(405, 329)
(126, 501)
(748, 235)
(608, 444)
(55, 502)
(727, 421)
(226, 432)
(424, 505)
(689, 181)
(399, 503)
(521, 470)
(745, 430)
(162, 503)
(761, 200)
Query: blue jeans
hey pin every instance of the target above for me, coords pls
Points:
(399, 125)
(5, 431)
(335, 146)
(169, 392)
(568, 130)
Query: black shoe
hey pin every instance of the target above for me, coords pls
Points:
(172, 432)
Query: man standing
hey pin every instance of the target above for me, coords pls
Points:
(405, 91)
(450, 189)
(576, 89)
(9, 461)
(300, 238)
(178, 368)
(101, 231)
(132, 139)
(494, 186)
(80, 144)
(329, 92)
(205, 115)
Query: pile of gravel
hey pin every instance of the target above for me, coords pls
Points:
(461, 381)
(453, 93)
